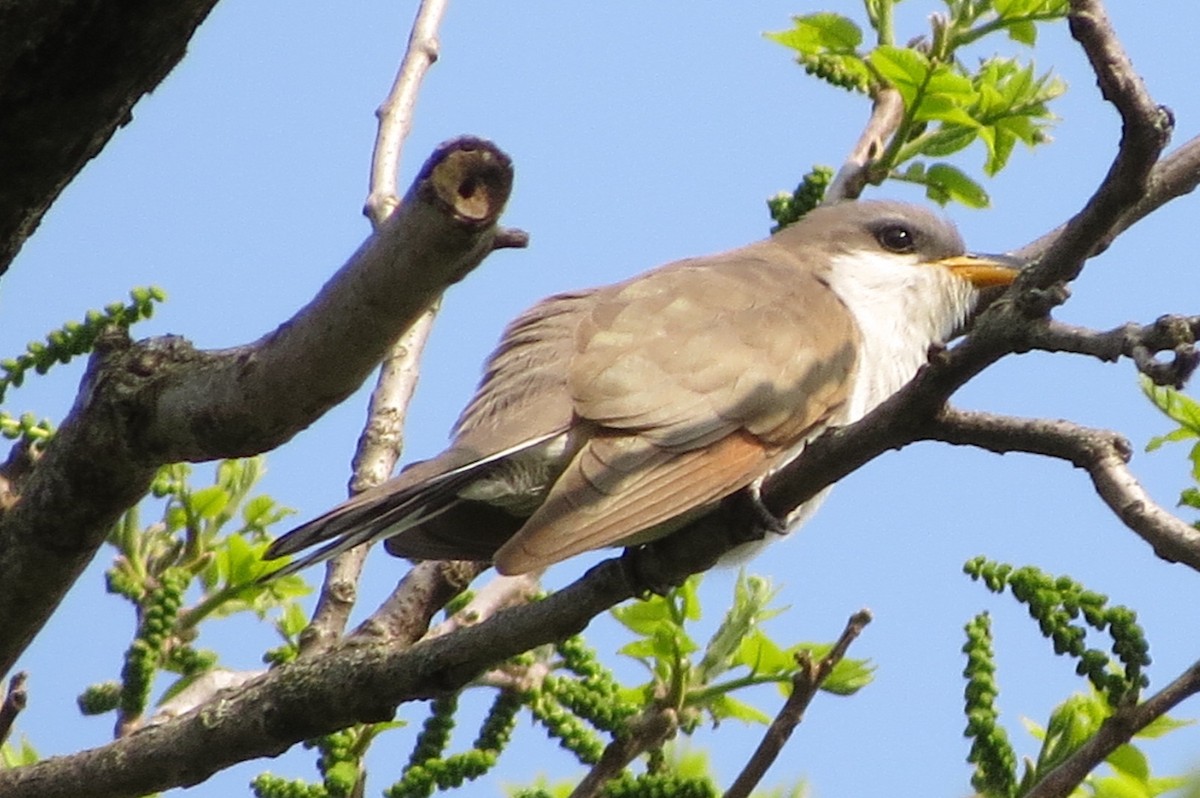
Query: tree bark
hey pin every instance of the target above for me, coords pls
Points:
(70, 74)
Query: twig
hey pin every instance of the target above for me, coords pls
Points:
(1118, 729)
(805, 684)
(404, 618)
(498, 594)
(396, 113)
(1103, 454)
(14, 701)
(855, 173)
(382, 438)
(1140, 343)
(649, 730)
(378, 450)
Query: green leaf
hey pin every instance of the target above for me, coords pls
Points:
(945, 108)
(1072, 723)
(1178, 406)
(1130, 761)
(762, 655)
(291, 621)
(904, 69)
(724, 706)
(1023, 32)
(208, 502)
(257, 511)
(643, 649)
(1000, 147)
(751, 595)
(643, 617)
(947, 140)
(12, 757)
(955, 184)
(823, 32)
(688, 598)
(849, 676)
(1174, 436)
(1163, 724)
(1120, 785)
(1036, 730)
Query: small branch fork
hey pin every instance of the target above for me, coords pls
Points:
(805, 684)
(887, 112)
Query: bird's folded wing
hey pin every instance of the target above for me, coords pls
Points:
(616, 485)
(700, 377)
(751, 339)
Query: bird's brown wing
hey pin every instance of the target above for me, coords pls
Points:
(700, 376)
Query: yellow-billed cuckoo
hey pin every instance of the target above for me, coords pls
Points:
(613, 415)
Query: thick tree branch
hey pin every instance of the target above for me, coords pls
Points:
(360, 681)
(1103, 454)
(160, 401)
(1117, 730)
(70, 74)
(805, 684)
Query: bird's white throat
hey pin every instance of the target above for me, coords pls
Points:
(901, 308)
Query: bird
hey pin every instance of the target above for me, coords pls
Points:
(612, 416)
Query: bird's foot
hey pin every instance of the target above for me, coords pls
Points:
(763, 521)
(644, 570)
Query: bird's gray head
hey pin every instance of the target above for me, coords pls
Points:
(909, 233)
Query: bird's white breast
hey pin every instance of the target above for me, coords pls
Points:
(901, 309)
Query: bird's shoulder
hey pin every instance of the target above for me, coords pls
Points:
(750, 338)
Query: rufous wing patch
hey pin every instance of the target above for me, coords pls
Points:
(620, 485)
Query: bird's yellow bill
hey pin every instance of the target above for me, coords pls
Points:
(983, 271)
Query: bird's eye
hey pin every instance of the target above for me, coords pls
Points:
(896, 238)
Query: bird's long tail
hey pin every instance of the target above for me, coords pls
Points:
(402, 503)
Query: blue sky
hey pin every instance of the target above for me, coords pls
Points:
(641, 133)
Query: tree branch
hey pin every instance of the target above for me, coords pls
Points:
(1118, 729)
(1174, 176)
(653, 727)
(404, 618)
(396, 113)
(70, 74)
(360, 681)
(1103, 454)
(852, 177)
(160, 401)
(805, 684)
(14, 702)
(382, 438)
(1140, 343)
(1145, 130)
